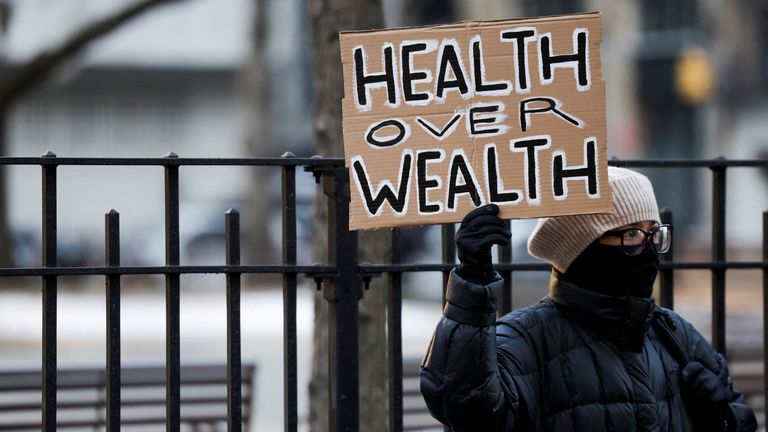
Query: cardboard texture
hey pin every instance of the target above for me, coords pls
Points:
(440, 119)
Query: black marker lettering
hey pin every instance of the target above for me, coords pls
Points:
(423, 183)
(384, 193)
(429, 127)
(459, 166)
(552, 106)
(478, 67)
(492, 170)
(521, 54)
(473, 120)
(364, 79)
(587, 171)
(531, 146)
(449, 58)
(577, 60)
(373, 140)
(408, 75)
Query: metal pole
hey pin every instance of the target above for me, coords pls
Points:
(449, 252)
(112, 252)
(290, 380)
(342, 294)
(449, 257)
(505, 257)
(50, 284)
(765, 306)
(172, 282)
(718, 256)
(234, 371)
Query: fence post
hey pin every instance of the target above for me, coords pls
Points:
(234, 370)
(765, 306)
(448, 232)
(172, 287)
(395, 336)
(505, 257)
(290, 373)
(342, 294)
(112, 259)
(718, 257)
(50, 284)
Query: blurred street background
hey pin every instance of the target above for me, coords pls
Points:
(685, 79)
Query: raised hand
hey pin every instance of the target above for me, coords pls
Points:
(480, 229)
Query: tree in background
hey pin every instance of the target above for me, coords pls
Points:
(18, 79)
(328, 17)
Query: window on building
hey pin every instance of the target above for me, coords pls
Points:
(659, 15)
(668, 123)
(533, 8)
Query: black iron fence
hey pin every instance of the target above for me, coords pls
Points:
(343, 275)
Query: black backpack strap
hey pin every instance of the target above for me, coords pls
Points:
(662, 324)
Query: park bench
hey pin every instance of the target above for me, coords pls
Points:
(82, 395)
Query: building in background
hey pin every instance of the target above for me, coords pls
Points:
(684, 79)
(170, 81)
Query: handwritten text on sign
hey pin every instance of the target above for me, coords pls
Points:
(439, 120)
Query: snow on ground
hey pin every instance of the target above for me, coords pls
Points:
(82, 329)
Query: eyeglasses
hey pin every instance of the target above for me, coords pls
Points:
(633, 239)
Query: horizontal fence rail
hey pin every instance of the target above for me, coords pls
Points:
(325, 271)
(341, 281)
(171, 160)
(314, 161)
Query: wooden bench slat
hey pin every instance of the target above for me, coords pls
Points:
(129, 377)
(82, 393)
(101, 403)
(101, 422)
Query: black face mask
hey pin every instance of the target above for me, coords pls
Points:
(608, 270)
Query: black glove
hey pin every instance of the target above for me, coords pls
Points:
(480, 229)
(710, 395)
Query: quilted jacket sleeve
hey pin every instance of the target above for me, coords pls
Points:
(741, 417)
(459, 376)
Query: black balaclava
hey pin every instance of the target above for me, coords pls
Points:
(608, 270)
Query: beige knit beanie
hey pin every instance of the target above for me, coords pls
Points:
(560, 239)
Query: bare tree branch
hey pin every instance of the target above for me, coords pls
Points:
(36, 70)
(20, 79)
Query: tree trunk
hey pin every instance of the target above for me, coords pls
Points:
(258, 135)
(6, 245)
(328, 17)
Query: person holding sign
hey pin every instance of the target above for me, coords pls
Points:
(597, 354)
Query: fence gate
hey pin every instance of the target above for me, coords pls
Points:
(343, 276)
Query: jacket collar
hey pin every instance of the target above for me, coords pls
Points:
(621, 320)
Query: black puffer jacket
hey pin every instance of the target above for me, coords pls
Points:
(576, 361)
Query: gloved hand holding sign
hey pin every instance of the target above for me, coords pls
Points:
(480, 229)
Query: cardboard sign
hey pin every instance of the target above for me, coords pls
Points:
(439, 120)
